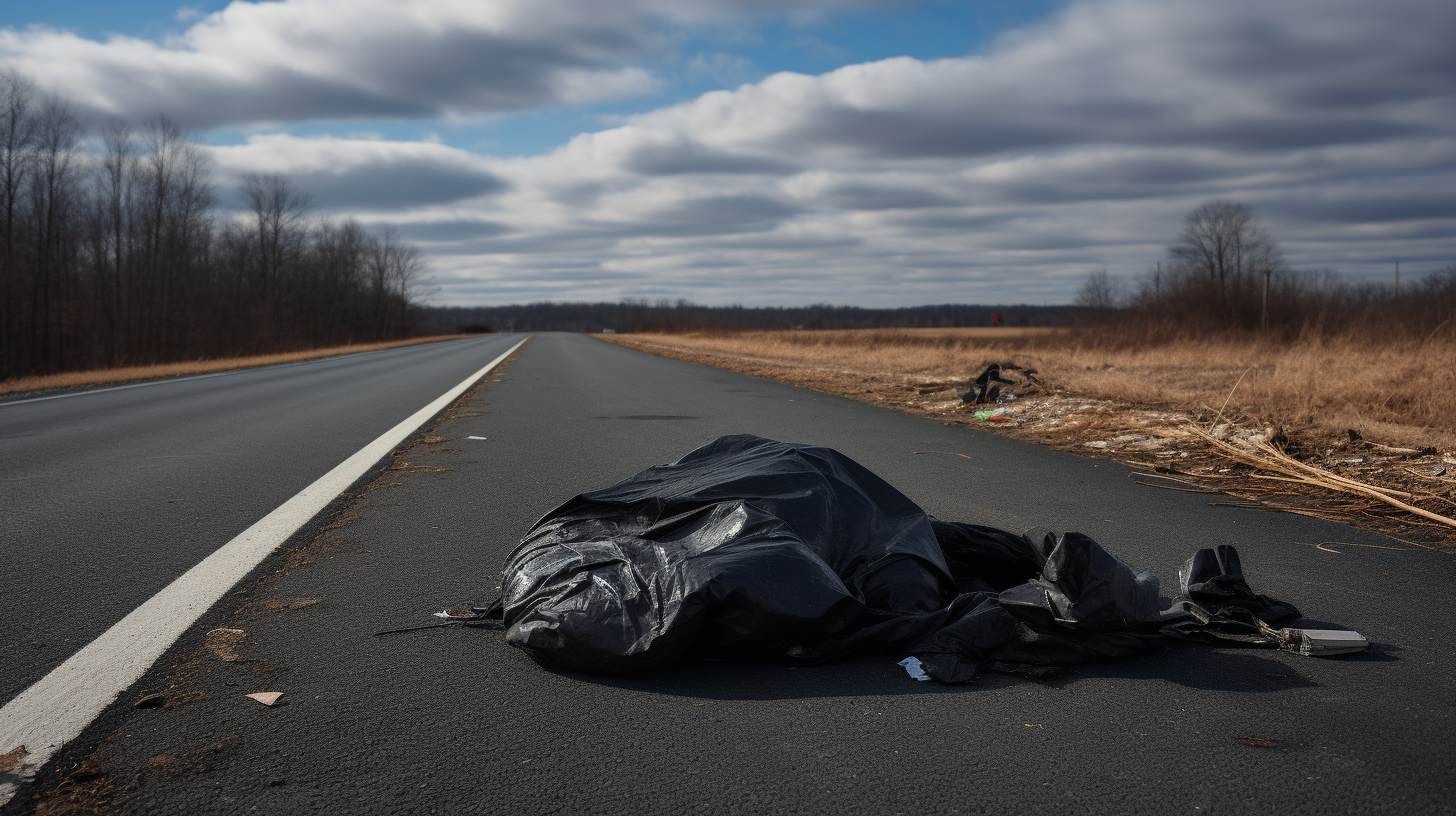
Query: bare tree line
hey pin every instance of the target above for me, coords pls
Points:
(684, 316)
(119, 255)
(1225, 272)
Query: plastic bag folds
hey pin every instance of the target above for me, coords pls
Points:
(754, 549)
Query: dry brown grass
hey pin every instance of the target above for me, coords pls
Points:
(1400, 393)
(119, 375)
(1146, 406)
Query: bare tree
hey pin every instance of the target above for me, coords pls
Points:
(115, 257)
(17, 132)
(1221, 242)
(338, 255)
(1101, 292)
(406, 268)
(173, 191)
(53, 195)
(278, 211)
(394, 271)
(115, 199)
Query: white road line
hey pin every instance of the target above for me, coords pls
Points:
(56, 709)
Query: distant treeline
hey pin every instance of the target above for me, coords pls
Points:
(119, 256)
(681, 316)
(1299, 304)
(1225, 275)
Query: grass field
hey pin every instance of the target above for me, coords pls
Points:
(76, 379)
(1400, 393)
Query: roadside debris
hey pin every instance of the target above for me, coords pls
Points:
(991, 387)
(1259, 453)
(267, 698)
(948, 453)
(913, 668)
(279, 605)
(751, 548)
(223, 643)
(12, 763)
(1322, 642)
(1196, 455)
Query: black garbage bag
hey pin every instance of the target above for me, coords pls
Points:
(751, 548)
(1216, 603)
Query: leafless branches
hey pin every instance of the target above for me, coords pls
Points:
(122, 257)
(1221, 242)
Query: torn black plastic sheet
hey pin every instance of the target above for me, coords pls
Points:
(754, 549)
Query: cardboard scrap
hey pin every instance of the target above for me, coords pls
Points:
(222, 642)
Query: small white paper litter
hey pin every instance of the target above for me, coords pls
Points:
(912, 668)
(481, 438)
(267, 698)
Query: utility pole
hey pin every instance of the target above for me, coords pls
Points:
(1264, 319)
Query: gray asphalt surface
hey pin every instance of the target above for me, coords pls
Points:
(108, 496)
(454, 721)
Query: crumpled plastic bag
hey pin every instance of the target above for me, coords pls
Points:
(754, 549)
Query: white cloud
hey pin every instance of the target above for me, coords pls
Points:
(362, 174)
(1074, 145)
(295, 60)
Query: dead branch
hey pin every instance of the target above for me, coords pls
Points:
(1276, 460)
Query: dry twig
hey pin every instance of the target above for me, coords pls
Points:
(1276, 460)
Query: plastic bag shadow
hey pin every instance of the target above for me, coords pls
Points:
(737, 680)
(1226, 670)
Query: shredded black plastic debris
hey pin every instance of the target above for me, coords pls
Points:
(755, 549)
(991, 384)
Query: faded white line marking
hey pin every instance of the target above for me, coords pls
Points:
(55, 710)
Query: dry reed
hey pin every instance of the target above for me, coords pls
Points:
(1264, 456)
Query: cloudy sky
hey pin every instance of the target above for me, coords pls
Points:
(784, 152)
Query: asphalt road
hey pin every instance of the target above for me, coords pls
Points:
(109, 495)
(454, 721)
